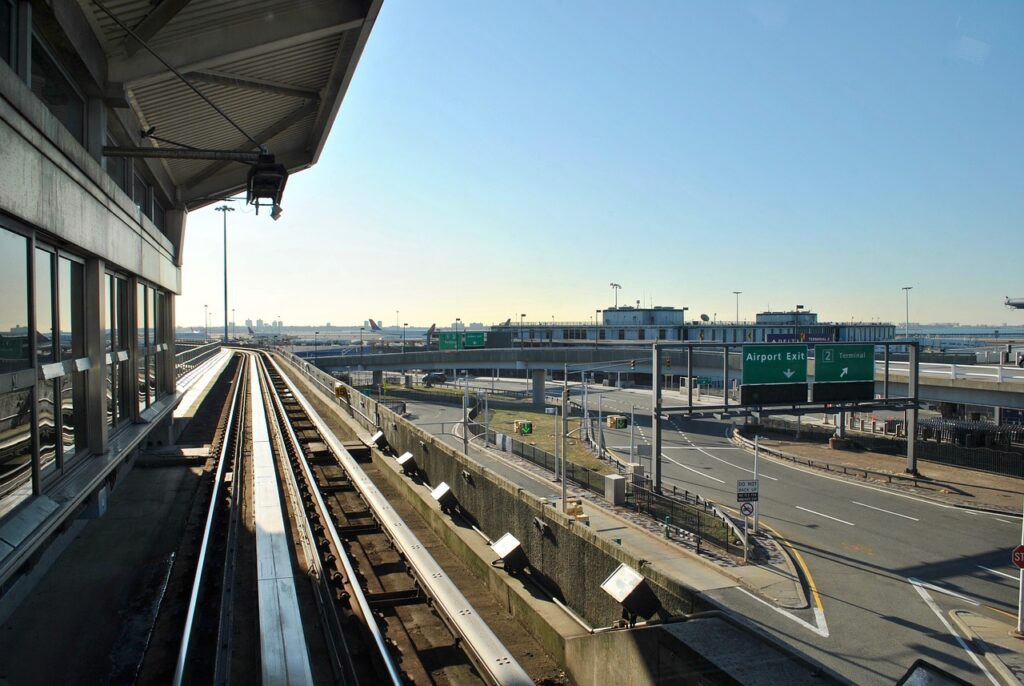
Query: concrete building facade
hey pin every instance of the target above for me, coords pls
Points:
(102, 119)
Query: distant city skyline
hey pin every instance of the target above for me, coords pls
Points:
(493, 160)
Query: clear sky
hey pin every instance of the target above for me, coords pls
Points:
(491, 159)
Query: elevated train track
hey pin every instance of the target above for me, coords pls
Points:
(385, 611)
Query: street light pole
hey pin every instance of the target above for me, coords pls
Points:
(906, 292)
(315, 354)
(224, 209)
(737, 294)
(361, 339)
(615, 290)
(522, 317)
(403, 336)
(206, 322)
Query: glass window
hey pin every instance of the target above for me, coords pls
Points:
(110, 333)
(55, 90)
(14, 350)
(140, 194)
(46, 394)
(44, 306)
(140, 362)
(71, 309)
(68, 415)
(159, 212)
(16, 468)
(6, 32)
(151, 313)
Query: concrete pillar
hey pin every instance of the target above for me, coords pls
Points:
(378, 378)
(93, 300)
(538, 376)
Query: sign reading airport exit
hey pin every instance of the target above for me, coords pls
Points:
(774, 364)
(844, 363)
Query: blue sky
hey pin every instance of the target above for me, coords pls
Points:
(492, 159)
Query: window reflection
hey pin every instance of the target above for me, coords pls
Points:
(67, 414)
(14, 350)
(6, 32)
(16, 455)
(140, 367)
(44, 306)
(46, 394)
(71, 310)
(51, 86)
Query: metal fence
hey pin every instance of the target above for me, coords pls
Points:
(691, 513)
(192, 357)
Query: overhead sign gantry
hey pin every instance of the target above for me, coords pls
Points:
(774, 380)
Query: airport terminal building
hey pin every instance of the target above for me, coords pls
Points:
(114, 124)
(627, 324)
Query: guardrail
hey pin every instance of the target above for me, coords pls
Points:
(996, 372)
(188, 360)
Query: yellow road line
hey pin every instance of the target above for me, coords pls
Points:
(802, 564)
(1012, 615)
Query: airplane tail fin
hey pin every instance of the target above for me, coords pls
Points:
(251, 332)
(374, 326)
(430, 331)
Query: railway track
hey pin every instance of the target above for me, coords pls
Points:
(346, 592)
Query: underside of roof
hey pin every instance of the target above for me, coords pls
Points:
(278, 69)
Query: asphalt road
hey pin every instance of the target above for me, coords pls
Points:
(881, 565)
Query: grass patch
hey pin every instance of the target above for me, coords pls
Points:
(545, 433)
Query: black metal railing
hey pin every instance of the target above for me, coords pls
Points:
(688, 512)
(192, 357)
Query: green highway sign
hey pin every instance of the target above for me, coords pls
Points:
(774, 364)
(447, 340)
(451, 340)
(843, 363)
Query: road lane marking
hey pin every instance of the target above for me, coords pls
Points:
(819, 627)
(886, 511)
(842, 521)
(1014, 577)
(945, 591)
(926, 597)
(695, 471)
(1003, 521)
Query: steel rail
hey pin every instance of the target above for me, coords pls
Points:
(341, 658)
(186, 637)
(495, 663)
(379, 641)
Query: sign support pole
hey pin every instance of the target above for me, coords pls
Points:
(1020, 592)
(656, 414)
(632, 421)
(912, 388)
(465, 416)
(746, 540)
(565, 447)
(757, 503)
(689, 376)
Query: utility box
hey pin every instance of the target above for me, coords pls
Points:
(615, 489)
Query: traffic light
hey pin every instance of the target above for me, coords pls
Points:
(632, 364)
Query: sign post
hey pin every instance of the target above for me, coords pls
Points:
(746, 495)
(1018, 559)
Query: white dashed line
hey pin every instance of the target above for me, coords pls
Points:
(836, 519)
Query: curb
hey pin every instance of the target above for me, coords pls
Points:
(983, 646)
(781, 456)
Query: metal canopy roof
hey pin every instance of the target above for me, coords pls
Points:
(278, 68)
